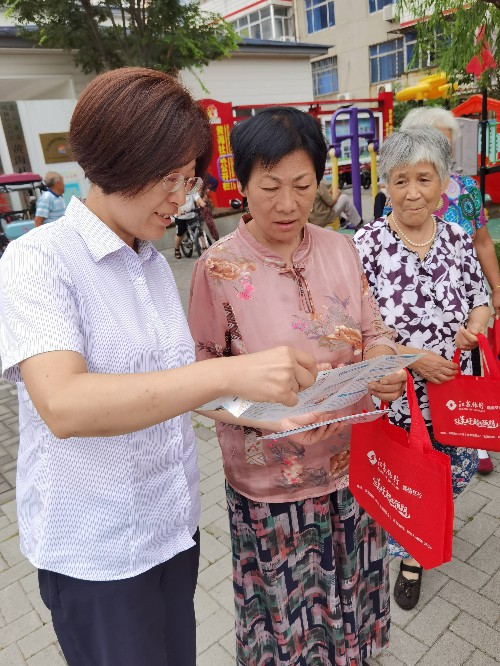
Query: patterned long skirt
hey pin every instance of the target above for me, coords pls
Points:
(463, 467)
(311, 581)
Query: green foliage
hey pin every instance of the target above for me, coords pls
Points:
(401, 109)
(161, 34)
(456, 22)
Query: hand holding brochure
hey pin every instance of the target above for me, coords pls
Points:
(365, 417)
(332, 390)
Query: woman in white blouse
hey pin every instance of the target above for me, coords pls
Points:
(93, 332)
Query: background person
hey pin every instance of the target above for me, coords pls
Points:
(50, 205)
(462, 203)
(329, 204)
(94, 335)
(430, 288)
(380, 200)
(210, 184)
(310, 568)
(184, 215)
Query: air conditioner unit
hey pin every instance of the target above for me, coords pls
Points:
(287, 38)
(389, 13)
(344, 96)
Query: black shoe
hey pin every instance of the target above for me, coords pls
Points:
(407, 592)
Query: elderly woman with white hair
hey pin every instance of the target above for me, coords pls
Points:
(462, 203)
(430, 289)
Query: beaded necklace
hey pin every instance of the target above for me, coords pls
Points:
(408, 240)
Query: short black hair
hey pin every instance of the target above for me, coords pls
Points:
(271, 135)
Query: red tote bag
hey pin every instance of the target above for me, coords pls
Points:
(466, 410)
(404, 484)
(494, 338)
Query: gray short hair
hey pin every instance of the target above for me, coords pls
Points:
(52, 177)
(415, 145)
(435, 116)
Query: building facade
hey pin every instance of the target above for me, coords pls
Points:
(369, 49)
(39, 89)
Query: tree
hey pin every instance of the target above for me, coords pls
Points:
(448, 29)
(162, 34)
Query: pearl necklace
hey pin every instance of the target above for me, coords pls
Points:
(409, 241)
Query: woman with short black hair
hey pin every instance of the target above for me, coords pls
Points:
(310, 567)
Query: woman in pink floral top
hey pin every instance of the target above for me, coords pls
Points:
(310, 567)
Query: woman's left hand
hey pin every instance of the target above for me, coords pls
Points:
(495, 302)
(466, 338)
(389, 388)
(314, 435)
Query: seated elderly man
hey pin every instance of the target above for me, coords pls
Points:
(50, 206)
(330, 204)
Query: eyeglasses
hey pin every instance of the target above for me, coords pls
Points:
(173, 182)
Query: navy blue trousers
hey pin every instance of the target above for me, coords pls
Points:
(147, 620)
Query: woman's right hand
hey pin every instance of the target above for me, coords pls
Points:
(274, 375)
(434, 368)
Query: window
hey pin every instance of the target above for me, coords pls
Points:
(319, 14)
(410, 47)
(387, 60)
(390, 59)
(325, 76)
(377, 5)
(272, 22)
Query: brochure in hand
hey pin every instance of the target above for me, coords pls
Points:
(332, 390)
(365, 417)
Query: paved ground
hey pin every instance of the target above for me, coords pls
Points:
(457, 620)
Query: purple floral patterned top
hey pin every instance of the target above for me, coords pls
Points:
(244, 299)
(424, 300)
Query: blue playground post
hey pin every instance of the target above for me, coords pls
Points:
(354, 135)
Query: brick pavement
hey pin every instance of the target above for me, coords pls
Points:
(457, 621)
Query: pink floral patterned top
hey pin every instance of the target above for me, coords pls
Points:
(245, 299)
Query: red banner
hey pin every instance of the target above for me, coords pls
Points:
(220, 115)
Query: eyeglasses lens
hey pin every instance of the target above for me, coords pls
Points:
(173, 182)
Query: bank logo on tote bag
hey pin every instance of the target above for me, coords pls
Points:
(466, 410)
(404, 484)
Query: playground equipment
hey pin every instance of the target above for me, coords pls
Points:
(489, 156)
(429, 87)
(222, 116)
(354, 134)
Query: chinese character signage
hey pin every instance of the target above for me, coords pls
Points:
(14, 136)
(220, 116)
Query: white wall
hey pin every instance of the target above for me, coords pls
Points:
(39, 69)
(225, 7)
(44, 117)
(255, 80)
